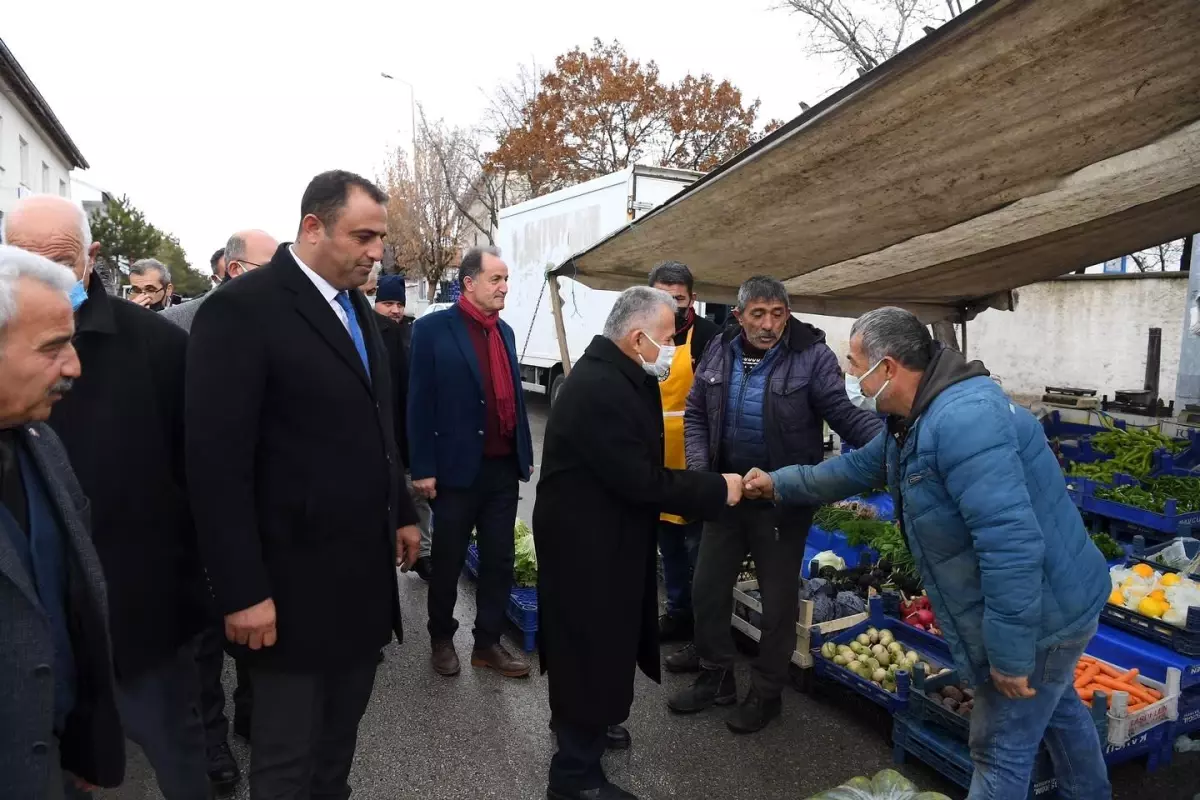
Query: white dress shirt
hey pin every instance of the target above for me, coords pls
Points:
(327, 291)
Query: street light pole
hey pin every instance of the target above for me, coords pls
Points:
(412, 107)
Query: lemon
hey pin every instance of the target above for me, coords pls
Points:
(1151, 607)
(1159, 595)
(1170, 579)
(1116, 598)
(1145, 570)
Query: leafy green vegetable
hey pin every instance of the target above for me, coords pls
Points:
(1108, 546)
(525, 568)
(886, 539)
(1152, 494)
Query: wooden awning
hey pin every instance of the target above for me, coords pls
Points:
(1023, 140)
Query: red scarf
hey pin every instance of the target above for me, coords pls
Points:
(502, 382)
(689, 322)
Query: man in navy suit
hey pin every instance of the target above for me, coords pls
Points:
(469, 445)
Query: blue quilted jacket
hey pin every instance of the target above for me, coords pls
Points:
(1001, 549)
(743, 440)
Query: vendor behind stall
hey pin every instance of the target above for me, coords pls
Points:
(1015, 581)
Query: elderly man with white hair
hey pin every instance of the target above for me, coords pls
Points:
(60, 730)
(122, 425)
(602, 488)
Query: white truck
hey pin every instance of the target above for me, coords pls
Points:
(550, 229)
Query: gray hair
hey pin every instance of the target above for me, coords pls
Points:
(16, 264)
(235, 249)
(472, 262)
(761, 287)
(376, 269)
(894, 332)
(633, 310)
(85, 227)
(144, 265)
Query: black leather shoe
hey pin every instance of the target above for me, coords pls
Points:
(676, 628)
(423, 566)
(609, 791)
(618, 738)
(714, 687)
(223, 772)
(754, 713)
(685, 660)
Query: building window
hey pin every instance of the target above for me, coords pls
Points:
(45, 178)
(62, 188)
(24, 161)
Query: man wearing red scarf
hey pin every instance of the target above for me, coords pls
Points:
(469, 445)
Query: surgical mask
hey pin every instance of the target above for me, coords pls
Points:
(854, 390)
(77, 295)
(661, 367)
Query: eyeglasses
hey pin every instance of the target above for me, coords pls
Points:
(146, 289)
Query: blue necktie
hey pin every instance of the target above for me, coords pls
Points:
(343, 300)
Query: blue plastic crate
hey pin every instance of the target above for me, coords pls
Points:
(1121, 647)
(1139, 553)
(523, 612)
(1057, 428)
(1140, 520)
(1189, 714)
(931, 647)
(820, 540)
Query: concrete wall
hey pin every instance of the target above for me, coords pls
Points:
(15, 124)
(1085, 331)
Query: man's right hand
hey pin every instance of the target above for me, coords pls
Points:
(733, 489)
(426, 487)
(758, 484)
(253, 626)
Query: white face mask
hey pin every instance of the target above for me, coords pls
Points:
(854, 390)
(661, 367)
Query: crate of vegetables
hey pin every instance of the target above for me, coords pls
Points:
(747, 609)
(1156, 604)
(1157, 506)
(874, 658)
(943, 699)
(1134, 702)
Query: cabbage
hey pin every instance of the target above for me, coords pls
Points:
(525, 568)
(889, 781)
(931, 796)
(860, 783)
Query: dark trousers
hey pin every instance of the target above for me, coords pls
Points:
(576, 765)
(777, 545)
(679, 545)
(304, 730)
(160, 710)
(210, 660)
(490, 509)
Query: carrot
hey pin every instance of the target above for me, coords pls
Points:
(1111, 672)
(1135, 692)
(1085, 677)
(1137, 706)
(1129, 676)
(1155, 693)
(1085, 694)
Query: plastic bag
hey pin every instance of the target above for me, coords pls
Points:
(1175, 555)
(828, 558)
(886, 784)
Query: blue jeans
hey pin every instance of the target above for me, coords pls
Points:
(1006, 734)
(679, 545)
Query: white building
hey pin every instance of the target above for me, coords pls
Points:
(36, 154)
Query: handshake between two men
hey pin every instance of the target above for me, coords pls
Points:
(754, 485)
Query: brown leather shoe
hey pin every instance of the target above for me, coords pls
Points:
(445, 660)
(499, 659)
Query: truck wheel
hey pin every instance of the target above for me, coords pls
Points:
(556, 387)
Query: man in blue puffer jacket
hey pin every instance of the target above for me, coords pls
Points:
(1015, 581)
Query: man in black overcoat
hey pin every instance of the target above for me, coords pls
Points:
(602, 488)
(300, 498)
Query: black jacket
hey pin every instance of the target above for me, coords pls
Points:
(395, 337)
(602, 488)
(293, 466)
(122, 425)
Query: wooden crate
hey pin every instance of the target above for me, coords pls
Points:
(802, 656)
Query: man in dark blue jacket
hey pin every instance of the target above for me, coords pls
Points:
(762, 393)
(469, 445)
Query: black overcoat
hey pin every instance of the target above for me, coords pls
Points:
(122, 425)
(602, 488)
(292, 464)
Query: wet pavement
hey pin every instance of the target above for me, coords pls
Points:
(482, 736)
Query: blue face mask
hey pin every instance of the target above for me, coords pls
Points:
(855, 393)
(77, 295)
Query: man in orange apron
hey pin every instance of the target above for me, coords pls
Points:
(679, 540)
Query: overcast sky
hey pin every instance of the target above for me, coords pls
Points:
(213, 116)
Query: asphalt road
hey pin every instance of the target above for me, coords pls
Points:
(481, 736)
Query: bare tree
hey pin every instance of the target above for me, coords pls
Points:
(863, 34)
(1160, 258)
